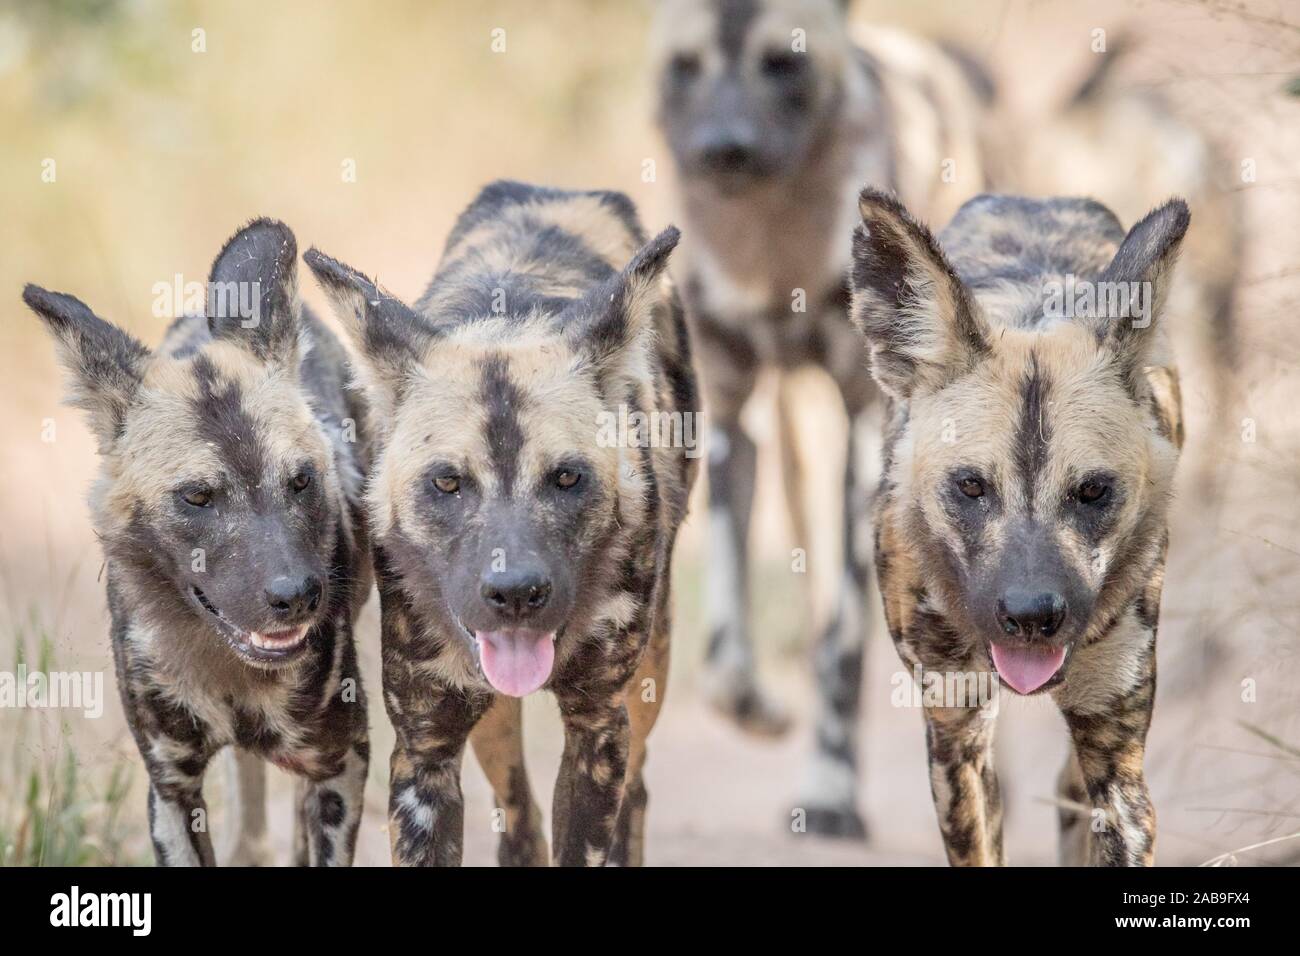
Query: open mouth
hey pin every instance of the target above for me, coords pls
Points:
(258, 647)
(515, 661)
(1029, 668)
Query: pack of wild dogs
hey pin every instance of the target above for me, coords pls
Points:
(257, 474)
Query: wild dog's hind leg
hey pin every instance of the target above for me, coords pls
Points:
(1107, 705)
(645, 698)
(830, 790)
(301, 854)
(731, 676)
(499, 746)
(964, 783)
(1071, 815)
(246, 779)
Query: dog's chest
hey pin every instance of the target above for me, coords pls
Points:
(230, 702)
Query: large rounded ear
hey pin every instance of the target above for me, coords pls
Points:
(921, 325)
(253, 291)
(105, 364)
(1135, 286)
(390, 337)
(609, 326)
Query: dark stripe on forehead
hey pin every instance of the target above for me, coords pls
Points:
(222, 421)
(735, 17)
(505, 437)
(1034, 432)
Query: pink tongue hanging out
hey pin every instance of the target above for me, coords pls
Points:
(1027, 668)
(516, 662)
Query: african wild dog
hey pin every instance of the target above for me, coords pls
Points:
(1021, 518)
(513, 549)
(775, 116)
(228, 505)
(1072, 148)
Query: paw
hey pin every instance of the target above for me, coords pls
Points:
(748, 707)
(836, 822)
(523, 851)
(525, 845)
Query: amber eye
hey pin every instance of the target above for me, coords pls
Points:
(971, 487)
(1091, 492)
(198, 497)
(566, 478)
(447, 484)
(300, 481)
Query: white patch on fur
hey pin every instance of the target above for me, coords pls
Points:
(419, 815)
(171, 828)
(1106, 670)
(619, 609)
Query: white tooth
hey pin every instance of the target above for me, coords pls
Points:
(272, 643)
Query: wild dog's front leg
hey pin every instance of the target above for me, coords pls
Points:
(1110, 745)
(426, 809)
(645, 698)
(964, 783)
(176, 747)
(589, 788)
(178, 816)
(331, 808)
(1110, 754)
(499, 746)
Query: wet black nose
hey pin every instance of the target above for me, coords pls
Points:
(515, 594)
(1027, 613)
(293, 597)
(727, 152)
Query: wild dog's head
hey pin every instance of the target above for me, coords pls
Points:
(492, 497)
(746, 87)
(1032, 470)
(217, 497)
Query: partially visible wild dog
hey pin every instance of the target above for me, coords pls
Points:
(1021, 519)
(228, 506)
(516, 550)
(775, 118)
(1072, 149)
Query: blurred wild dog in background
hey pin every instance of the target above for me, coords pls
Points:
(516, 549)
(775, 116)
(1071, 147)
(229, 508)
(1029, 461)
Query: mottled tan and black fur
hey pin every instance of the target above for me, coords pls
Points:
(228, 507)
(496, 509)
(776, 112)
(1029, 458)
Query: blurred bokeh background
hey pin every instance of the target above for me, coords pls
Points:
(138, 134)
